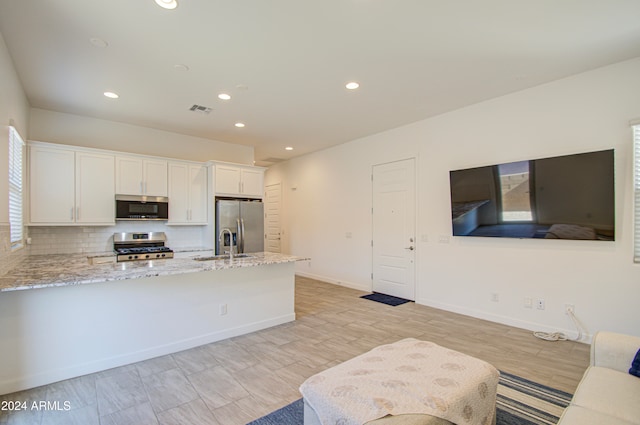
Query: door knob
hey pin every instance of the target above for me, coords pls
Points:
(410, 248)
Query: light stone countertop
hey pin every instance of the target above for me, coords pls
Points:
(43, 271)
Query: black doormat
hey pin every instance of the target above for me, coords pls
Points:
(385, 299)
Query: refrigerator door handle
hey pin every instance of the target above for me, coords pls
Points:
(242, 225)
(240, 236)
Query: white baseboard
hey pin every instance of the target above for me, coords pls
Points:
(326, 279)
(505, 320)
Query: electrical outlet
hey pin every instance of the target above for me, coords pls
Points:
(528, 303)
(569, 309)
(540, 304)
(495, 297)
(223, 309)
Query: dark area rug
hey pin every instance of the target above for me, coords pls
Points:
(291, 414)
(520, 402)
(385, 299)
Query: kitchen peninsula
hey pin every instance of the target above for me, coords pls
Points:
(62, 317)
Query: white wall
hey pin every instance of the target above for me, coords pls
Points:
(76, 130)
(14, 110)
(328, 193)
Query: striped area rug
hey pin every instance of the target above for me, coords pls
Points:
(523, 402)
(520, 402)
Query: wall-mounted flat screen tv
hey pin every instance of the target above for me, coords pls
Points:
(564, 197)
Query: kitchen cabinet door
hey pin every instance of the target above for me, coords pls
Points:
(155, 177)
(95, 188)
(252, 182)
(227, 179)
(239, 181)
(187, 193)
(129, 175)
(51, 185)
(198, 194)
(141, 176)
(178, 193)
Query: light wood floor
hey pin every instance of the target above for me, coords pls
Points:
(240, 379)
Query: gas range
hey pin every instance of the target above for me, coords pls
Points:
(141, 246)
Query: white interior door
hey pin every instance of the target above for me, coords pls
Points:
(272, 207)
(394, 209)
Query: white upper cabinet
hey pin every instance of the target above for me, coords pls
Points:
(51, 185)
(70, 187)
(141, 176)
(187, 193)
(239, 180)
(95, 188)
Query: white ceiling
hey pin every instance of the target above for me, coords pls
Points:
(285, 62)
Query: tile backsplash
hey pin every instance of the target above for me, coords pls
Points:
(96, 239)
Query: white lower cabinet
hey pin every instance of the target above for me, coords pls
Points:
(69, 187)
(187, 193)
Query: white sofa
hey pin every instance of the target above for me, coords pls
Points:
(607, 393)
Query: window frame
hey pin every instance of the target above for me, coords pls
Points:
(636, 191)
(16, 165)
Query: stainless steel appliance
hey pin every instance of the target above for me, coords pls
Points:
(245, 220)
(141, 246)
(136, 207)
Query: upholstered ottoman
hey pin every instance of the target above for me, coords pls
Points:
(420, 380)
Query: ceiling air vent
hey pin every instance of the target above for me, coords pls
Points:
(200, 108)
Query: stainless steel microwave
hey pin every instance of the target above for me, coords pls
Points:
(135, 207)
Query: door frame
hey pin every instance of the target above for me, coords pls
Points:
(266, 214)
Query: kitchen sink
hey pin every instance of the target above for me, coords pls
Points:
(221, 257)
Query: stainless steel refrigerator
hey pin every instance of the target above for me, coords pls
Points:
(245, 219)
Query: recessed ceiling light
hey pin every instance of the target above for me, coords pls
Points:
(239, 124)
(181, 67)
(352, 85)
(288, 148)
(167, 4)
(111, 95)
(224, 96)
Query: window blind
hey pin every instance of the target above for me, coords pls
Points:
(636, 193)
(16, 159)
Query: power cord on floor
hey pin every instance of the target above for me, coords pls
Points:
(560, 336)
